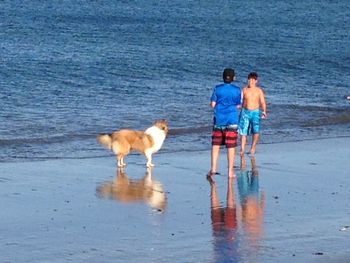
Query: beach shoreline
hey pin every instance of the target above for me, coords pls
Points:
(58, 210)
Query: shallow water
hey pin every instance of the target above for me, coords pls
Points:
(71, 70)
(288, 204)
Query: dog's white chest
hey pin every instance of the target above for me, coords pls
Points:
(158, 136)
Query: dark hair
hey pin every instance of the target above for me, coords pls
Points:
(253, 75)
(228, 75)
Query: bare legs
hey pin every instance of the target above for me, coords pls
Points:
(255, 141)
(215, 150)
(243, 143)
(255, 138)
(230, 162)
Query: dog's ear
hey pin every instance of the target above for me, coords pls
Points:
(162, 122)
(165, 125)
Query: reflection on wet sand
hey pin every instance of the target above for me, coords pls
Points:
(127, 190)
(237, 229)
(224, 224)
(252, 204)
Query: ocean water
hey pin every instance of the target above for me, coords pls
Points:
(73, 69)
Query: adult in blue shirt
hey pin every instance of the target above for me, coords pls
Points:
(225, 99)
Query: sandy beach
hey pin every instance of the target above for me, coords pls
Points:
(291, 203)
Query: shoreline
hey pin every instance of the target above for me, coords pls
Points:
(68, 209)
(108, 154)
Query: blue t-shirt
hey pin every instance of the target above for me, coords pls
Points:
(227, 96)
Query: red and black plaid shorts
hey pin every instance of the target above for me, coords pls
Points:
(226, 137)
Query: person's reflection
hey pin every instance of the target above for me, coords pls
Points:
(127, 190)
(252, 203)
(224, 223)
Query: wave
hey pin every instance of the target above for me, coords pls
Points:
(280, 117)
(45, 140)
(78, 137)
(189, 130)
(333, 120)
(285, 123)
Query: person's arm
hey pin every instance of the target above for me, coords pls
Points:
(239, 100)
(242, 96)
(263, 105)
(213, 99)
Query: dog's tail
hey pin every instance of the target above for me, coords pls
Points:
(105, 140)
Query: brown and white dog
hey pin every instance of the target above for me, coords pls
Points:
(146, 142)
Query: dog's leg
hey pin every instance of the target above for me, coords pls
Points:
(148, 155)
(119, 158)
(122, 161)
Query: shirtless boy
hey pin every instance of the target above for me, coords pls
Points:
(253, 108)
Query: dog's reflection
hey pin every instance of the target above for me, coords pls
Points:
(127, 190)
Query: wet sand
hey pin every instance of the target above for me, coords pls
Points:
(291, 203)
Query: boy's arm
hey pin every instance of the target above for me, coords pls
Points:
(213, 99)
(242, 97)
(263, 104)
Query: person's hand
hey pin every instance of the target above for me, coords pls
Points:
(263, 115)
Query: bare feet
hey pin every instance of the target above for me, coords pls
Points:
(252, 151)
(211, 173)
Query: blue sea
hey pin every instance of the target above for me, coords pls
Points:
(70, 70)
